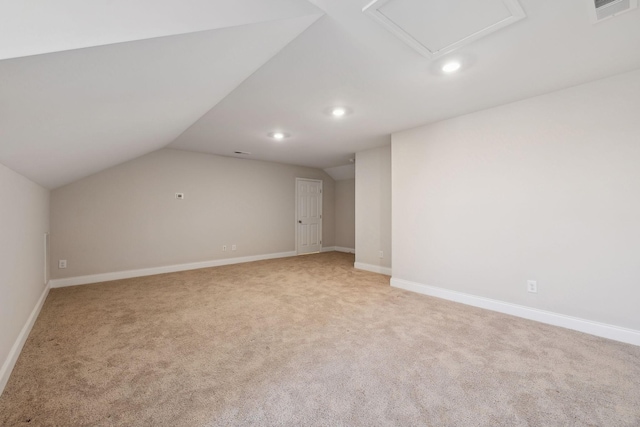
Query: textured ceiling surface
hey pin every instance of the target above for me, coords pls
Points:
(78, 95)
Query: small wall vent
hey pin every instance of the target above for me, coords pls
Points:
(605, 9)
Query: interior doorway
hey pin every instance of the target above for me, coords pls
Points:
(308, 216)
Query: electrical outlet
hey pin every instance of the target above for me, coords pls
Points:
(62, 263)
(381, 254)
(233, 247)
(224, 248)
(532, 286)
(180, 196)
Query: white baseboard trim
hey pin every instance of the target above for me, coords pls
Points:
(372, 268)
(338, 249)
(12, 358)
(106, 277)
(617, 333)
(347, 250)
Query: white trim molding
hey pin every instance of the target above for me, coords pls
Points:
(12, 358)
(106, 277)
(617, 333)
(338, 249)
(347, 250)
(372, 268)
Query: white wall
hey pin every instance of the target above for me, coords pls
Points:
(373, 209)
(127, 217)
(346, 213)
(546, 189)
(24, 219)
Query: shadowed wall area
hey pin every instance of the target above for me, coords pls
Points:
(306, 341)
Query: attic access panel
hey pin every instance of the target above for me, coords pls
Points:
(437, 27)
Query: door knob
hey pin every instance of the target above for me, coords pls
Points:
(299, 222)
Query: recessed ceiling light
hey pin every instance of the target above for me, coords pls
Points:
(451, 67)
(338, 112)
(278, 136)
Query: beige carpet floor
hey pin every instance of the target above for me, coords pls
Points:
(305, 341)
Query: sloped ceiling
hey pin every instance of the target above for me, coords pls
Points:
(42, 26)
(348, 59)
(343, 172)
(69, 114)
(217, 76)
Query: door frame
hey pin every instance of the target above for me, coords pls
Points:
(295, 207)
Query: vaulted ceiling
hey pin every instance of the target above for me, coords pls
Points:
(88, 85)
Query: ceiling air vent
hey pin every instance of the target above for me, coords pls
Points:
(605, 9)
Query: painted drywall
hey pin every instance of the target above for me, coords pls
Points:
(544, 189)
(127, 217)
(373, 207)
(345, 207)
(24, 220)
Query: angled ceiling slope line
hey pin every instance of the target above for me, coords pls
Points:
(339, 173)
(40, 26)
(435, 28)
(67, 115)
(345, 59)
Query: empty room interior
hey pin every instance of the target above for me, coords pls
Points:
(320, 212)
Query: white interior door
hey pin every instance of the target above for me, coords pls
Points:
(308, 216)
